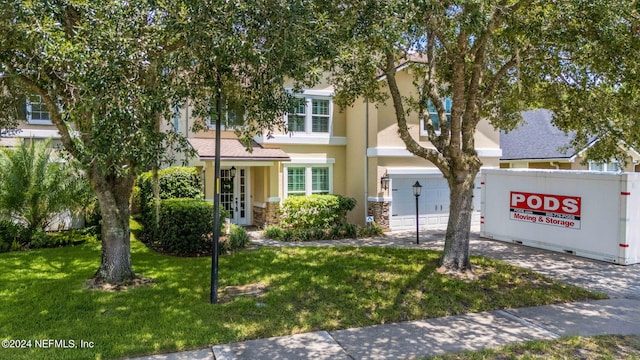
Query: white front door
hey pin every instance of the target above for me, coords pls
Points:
(234, 194)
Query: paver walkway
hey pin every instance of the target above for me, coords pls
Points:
(414, 339)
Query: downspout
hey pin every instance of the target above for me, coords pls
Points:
(555, 163)
(366, 159)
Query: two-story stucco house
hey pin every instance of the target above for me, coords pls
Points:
(334, 150)
(329, 150)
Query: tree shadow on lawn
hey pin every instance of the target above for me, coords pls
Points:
(308, 289)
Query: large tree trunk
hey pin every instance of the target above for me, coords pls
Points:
(455, 256)
(113, 195)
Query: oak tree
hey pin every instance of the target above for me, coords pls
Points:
(492, 59)
(111, 72)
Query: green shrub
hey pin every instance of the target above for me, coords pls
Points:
(315, 211)
(12, 236)
(186, 227)
(342, 231)
(41, 239)
(175, 182)
(273, 232)
(371, 230)
(237, 239)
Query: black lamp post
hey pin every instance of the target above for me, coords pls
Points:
(417, 188)
(213, 296)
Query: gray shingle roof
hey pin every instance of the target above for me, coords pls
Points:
(537, 138)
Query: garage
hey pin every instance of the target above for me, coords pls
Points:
(433, 202)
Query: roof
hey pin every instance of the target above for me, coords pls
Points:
(233, 149)
(536, 138)
(404, 62)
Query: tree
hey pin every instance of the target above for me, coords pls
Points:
(35, 187)
(596, 95)
(492, 58)
(110, 72)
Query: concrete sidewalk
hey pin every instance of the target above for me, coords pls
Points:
(422, 338)
(415, 339)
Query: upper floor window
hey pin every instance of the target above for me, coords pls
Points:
(37, 112)
(233, 117)
(311, 115)
(176, 118)
(612, 166)
(433, 115)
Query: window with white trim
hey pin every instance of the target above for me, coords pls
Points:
(297, 117)
(612, 166)
(312, 115)
(37, 112)
(320, 180)
(233, 117)
(305, 180)
(433, 115)
(296, 185)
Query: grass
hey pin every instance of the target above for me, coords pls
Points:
(42, 296)
(576, 347)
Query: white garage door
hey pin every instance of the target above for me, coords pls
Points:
(433, 203)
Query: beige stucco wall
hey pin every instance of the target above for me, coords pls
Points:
(301, 152)
(486, 137)
(322, 85)
(355, 153)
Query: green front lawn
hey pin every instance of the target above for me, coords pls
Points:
(42, 297)
(575, 347)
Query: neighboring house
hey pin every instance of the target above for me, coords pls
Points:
(36, 125)
(335, 151)
(538, 144)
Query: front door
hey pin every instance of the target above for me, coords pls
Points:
(233, 194)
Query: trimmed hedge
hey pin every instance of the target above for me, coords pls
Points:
(315, 211)
(343, 231)
(185, 226)
(186, 229)
(175, 182)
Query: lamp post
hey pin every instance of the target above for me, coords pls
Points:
(417, 188)
(213, 296)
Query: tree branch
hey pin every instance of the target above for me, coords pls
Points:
(429, 154)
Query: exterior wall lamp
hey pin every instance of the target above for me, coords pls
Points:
(384, 181)
(232, 172)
